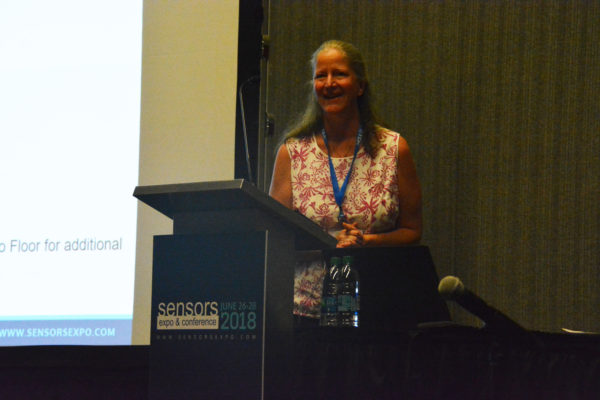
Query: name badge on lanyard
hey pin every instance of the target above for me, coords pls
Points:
(340, 193)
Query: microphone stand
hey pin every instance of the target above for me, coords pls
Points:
(255, 78)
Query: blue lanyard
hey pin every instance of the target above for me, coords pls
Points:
(337, 192)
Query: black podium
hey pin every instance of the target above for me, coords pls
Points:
(222, 290)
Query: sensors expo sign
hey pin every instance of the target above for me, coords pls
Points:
(206, 315)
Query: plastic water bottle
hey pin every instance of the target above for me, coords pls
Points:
(349, 297)
(331, 287)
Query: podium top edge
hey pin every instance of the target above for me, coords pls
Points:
(160, 196)
(190, 187)
(172, 199)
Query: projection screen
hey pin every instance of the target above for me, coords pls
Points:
(78, 136)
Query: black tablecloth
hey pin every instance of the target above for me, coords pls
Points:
(452, 362)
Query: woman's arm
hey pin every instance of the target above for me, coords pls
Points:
(281, 181)
(409, 224)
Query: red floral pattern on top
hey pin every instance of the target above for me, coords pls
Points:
(371, 200)
(372, 194)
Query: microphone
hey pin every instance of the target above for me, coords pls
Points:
(451, 288)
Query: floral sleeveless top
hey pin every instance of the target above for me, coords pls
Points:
(371, 201)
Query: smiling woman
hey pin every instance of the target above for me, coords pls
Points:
(337, 88)
(343, 170)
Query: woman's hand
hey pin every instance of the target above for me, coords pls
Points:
(350, 236)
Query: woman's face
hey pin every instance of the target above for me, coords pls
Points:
(335, 83)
